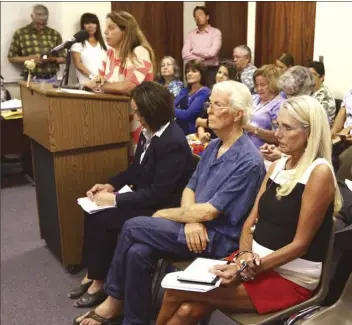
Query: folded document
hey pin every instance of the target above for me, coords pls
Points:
(91, 207)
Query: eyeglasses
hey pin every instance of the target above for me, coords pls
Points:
(215, 106)
(284, 129)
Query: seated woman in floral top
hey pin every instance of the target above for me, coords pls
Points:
(129, 61)
(189, 104)
(169, 75)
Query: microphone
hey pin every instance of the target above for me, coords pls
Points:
(80, 36)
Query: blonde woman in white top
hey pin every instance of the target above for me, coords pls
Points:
(88, 55)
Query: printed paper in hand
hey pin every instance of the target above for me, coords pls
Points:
(91, 207)
(349, 184)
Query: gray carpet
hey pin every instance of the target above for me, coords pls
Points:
(34, 285)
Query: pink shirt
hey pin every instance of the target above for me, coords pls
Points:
(203, 46)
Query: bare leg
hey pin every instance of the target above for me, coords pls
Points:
(85, 279)
(232, 298)
(96, 286)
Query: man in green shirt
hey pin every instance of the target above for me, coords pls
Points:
(35, 41)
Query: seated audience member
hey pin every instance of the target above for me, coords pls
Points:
(129, 61)
(266, 105)
(343, 125)
(35, 42)
(158, 175)
(189, 103)
(242, 56)
(285, 61)
(284, 240)
(5, 94)
(296, 81)
(88, 55)
(214, 205)
(322, 93)
(169, 75)
(203, 43)
(226, 71)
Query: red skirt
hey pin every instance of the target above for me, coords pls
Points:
(270, 292)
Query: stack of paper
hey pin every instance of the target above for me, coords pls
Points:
(91, 207)
(12, 115)
(11, 104)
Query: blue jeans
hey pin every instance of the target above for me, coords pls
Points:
(142, 241)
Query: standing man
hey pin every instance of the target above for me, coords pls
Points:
(242, 56)
(35, 41)
(203, 43)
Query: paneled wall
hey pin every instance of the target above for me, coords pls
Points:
(162, 23)
(231, 18)
(284, 27)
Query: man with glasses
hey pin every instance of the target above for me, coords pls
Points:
(242, 56)
(214, 206)
(35, 41)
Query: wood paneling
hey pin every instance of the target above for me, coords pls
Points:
(284, 27)
(75, 173)
(161, 22)
(231, 18)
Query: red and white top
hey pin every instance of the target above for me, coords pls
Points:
(136, 69)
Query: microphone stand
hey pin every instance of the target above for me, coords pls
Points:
(64, 79)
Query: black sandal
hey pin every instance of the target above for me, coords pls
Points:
(90, 299)
(79, 291)
(102, 320)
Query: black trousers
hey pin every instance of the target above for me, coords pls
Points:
(101, 232)
(212, 70)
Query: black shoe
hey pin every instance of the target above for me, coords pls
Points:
(91, 300)
(79, 291)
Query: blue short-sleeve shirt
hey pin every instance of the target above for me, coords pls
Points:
(230, 183)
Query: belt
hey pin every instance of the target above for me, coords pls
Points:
(47, 76)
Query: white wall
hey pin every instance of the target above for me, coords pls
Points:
(333, 40)
(251, 27)
(188, 20)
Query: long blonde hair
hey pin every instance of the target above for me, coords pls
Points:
(133, 37)
(312, 115)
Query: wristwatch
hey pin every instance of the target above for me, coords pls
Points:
(256, 131)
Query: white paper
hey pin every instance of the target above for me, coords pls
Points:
(76, 91)
(91, 207)
(349, 184)
(170, 282)
(11, 104)
(199, 270)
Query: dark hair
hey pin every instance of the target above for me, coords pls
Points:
(287, 59)
(199, 66)
(89, 18)
(231, 68)
(177, 71)
(318, 67)
(204, 9)
(154, 103)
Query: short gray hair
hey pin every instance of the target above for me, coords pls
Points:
(41, 8)
(240, 97)
(297, 81)
(246, 49)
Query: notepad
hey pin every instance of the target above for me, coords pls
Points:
(11, 115)
(76, 91)
(171, 281)
(348, 183)
(199, 271)
(91, 207)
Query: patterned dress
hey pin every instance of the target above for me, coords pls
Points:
(136, 70)
(324, 96)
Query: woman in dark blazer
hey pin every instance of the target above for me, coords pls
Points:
(160, 171)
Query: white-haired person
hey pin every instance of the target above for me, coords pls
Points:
(208, 223)
(296, 81)
(284, 240)
(169, 75)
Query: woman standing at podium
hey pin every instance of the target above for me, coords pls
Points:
(87, 56)
(129, 61)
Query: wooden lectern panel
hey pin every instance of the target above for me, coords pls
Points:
(87, 123)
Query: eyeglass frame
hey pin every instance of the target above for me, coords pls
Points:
(276, 127)
(209, 104)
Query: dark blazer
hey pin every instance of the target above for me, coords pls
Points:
(158, 182)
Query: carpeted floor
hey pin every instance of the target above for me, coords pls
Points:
(34, 285)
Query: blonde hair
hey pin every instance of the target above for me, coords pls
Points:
(312, 115)
(272, 74)
(240, 97)
(133, 37)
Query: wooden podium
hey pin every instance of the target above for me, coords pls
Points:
(77, 140)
